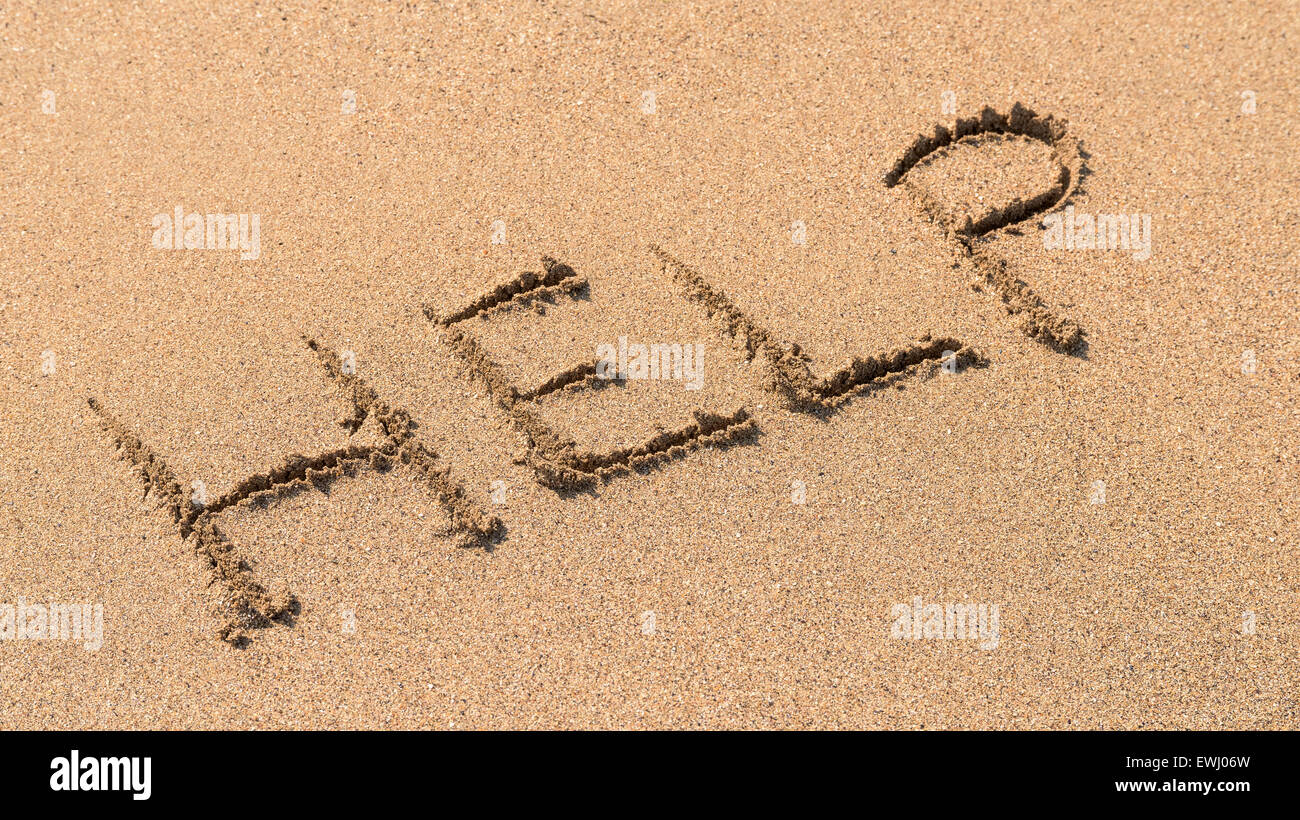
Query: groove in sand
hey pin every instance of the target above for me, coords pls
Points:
(248, 605)
(1036, 319)
(556, 461)
(528, 287)
(474, 524)
(789, 372)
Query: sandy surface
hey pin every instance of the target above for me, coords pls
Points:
(1167, 599)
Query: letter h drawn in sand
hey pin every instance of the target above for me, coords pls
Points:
(246, 604)
(556, 461)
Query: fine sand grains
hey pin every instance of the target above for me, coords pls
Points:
(428, 510)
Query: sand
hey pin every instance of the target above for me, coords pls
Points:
(370, 478)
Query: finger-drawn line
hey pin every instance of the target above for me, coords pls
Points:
(247, 603)
(299, 472)
(579, 376)
(1036, 319)
(469, 517)
(528, 287)
(789, 372)
(572, 469)
(395, 423)
(555, 459)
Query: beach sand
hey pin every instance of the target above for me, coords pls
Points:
(1127, 506)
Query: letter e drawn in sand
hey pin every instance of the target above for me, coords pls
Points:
(246, 604)
(556, 461)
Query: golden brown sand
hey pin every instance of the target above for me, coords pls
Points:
(1113, 461)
